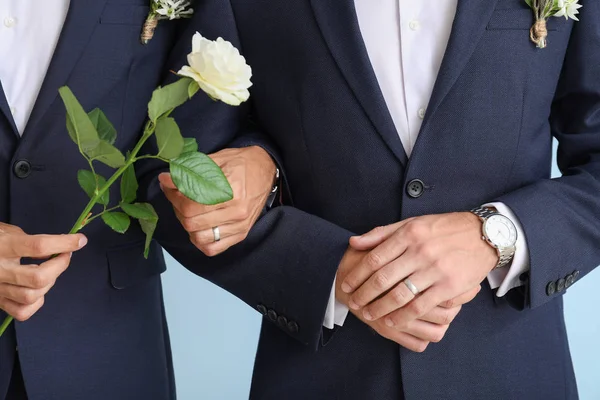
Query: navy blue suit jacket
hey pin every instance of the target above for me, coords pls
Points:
(487, 136)
(102, 332)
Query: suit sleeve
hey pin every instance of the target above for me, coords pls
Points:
(561, 217)
(287, 265)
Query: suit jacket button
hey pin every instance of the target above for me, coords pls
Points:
(262, 309)
(560, 285)
(551, 288)
(272, 315)
(282, 321)
(415, 188)
(575, 275)
(293, 327)
(569, 281)
(22, 169)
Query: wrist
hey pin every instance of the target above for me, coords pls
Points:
(498, 232)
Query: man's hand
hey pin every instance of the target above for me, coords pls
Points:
(417, 334)
(251, 173)
(23, 287)
(442, 255)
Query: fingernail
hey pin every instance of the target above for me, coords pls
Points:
(389, 322)
(353, 305)
(82, 241)
(368, 316)
(346, 288)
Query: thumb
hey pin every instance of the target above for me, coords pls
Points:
(375, 237)
(166, 182)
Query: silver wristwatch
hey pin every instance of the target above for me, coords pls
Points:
(499, 232)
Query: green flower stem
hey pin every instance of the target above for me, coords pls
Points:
(106, 210)
(83, 218)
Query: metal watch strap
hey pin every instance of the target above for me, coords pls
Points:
(484, 212)
(505, 254)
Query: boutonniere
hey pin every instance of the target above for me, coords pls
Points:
(164, 9)
(544, 9)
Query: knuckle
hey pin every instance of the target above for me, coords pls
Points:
(421, 346)
(416, 308)
(398, 296)
(414, 230)
(450, 303)
(438, 336)
(28, 296)
(38, 279)
(188, 224)
(210, 251)
(428, 252)
(37, 246)
(374, 260)
(380, 281)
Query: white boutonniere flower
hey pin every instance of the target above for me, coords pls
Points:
(219, 69)
(544, 9)
(164, 9)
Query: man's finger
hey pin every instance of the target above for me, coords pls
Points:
(441, 315)
(384, 280)
(462, 299)
(186, 206)
(374, 237)
(204, 222)
(18, 311)
(207, 236)
(41, 246)
(420, 306)
(426, 330)
(408, 341)
(23, 295)
(166, 181)
(372, 262)
(216, 248)
(38, 276)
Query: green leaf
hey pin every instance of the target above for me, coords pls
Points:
(165, 99)
(129, 185)
(168, 138)
(529, 3)
(139, 211)
(200, 179)
(107, 154)
(147, 218)
(190, 145)
(106, 130)
(80, 127)
(193, 88)
(91, 183)
(117, 221)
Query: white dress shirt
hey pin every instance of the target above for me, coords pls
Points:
(406, 41)
(29, 32)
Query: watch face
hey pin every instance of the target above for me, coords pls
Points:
(500, 231)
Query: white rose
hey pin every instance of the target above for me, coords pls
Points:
(219, 69)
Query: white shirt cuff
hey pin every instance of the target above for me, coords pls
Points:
(507, 278)
(336, 312)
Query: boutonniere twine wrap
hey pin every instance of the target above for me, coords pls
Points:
(544, 9)
(164, 9)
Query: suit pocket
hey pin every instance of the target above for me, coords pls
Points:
(518, 19)
(128, 266)
(124, 14)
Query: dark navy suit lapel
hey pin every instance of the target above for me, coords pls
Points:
(82, 19)
(339, 25)
(472, 17)
(5, 109)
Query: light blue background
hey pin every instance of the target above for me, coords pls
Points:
(214, 337)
